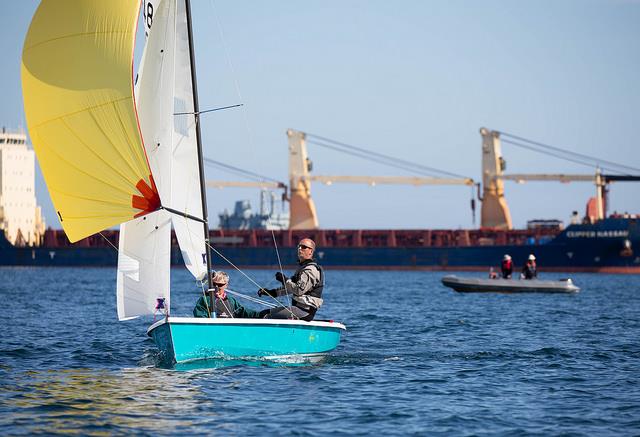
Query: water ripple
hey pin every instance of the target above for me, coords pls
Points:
(423, 361)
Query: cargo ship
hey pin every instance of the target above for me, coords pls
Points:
(609, 245)
(594, 243)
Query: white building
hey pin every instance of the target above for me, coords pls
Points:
(20, 216)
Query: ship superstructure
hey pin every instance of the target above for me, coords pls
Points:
(20, 216)
(269, 217)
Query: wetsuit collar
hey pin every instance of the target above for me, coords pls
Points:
(306, 261)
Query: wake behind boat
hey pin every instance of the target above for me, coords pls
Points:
(509, 285)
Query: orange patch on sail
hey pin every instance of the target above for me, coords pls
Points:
(149, 201)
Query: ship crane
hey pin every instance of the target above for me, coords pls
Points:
(495, 212)
(259, 181)
(302, 208)
(265, 183)
(211, 183)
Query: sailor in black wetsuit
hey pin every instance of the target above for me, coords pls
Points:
(305, 287)
(530, 270)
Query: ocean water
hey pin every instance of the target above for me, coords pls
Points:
(417, 359)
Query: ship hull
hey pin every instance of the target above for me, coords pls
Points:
(444, 259)
(610, 246)
(552, 257)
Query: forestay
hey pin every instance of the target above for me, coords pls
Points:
(185, 186)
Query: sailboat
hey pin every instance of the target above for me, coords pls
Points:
(118, 151)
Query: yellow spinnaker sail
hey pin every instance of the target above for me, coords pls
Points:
(77, 85)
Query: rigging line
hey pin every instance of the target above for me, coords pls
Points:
(198, 134)
(381, 160)
(235, 267)
(226, 51)
(240, 271)
(558, 149)
(371, 158)
(243, 274)
(248, 173)
(108, 241)
(209, 110)
(587, 164)
(224, 305)
(241, 174)
(252, 299)
(237, 173)
(391, 158)
(275, 245)
(204, 295)
(234, 75)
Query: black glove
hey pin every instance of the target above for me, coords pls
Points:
(281, 278)
(263, 314)
(267, 291)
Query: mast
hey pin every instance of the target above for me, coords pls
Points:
(196, 113)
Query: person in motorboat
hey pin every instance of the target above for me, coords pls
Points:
(305, 287)
(506, 267)
(223, 304)
(530, 270)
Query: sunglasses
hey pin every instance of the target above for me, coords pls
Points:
(302, 246)
(219, 285)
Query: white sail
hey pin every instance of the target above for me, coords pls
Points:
(148, 9)
(144, 255)
(145, 243)
(185, 183)
(155, 97)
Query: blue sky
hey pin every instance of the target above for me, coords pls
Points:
(413, 79)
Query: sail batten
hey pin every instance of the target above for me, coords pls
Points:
(77, 82)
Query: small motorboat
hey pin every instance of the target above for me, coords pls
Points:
(509, 285)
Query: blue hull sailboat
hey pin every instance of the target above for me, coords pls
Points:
(114, 150)
(184, 339)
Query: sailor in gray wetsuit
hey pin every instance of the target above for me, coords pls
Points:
(305, 287)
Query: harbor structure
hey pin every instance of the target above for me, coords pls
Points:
(594, 243)
(20, 216)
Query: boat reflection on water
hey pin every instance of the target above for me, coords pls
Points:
(142, 399)
(154, 358)
(147, 399)
(217, 363)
